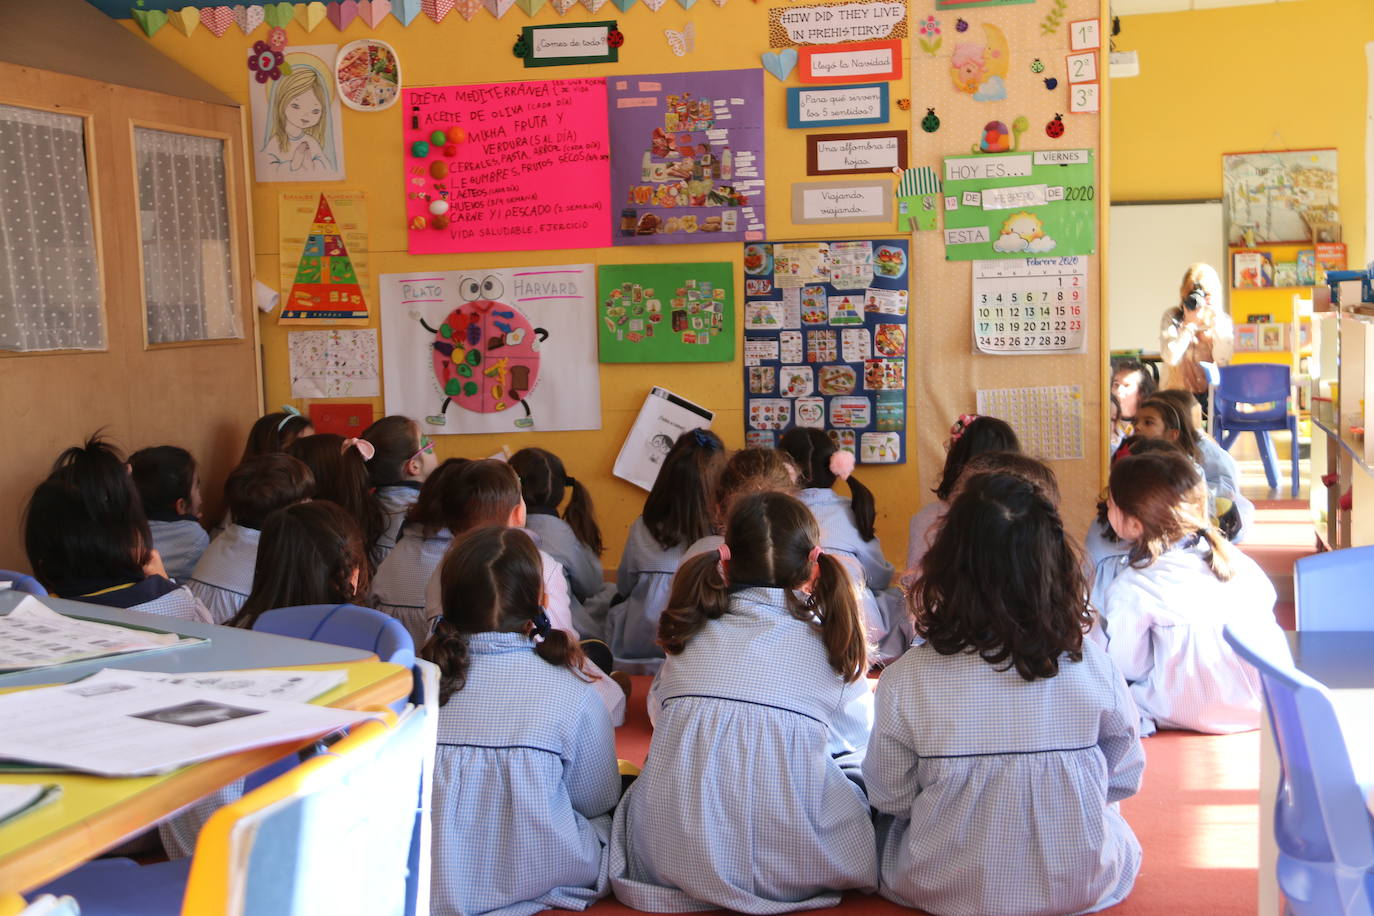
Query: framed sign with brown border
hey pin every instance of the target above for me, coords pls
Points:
(867, 152)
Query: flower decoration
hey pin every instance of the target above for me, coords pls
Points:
(265, 62)
(615, 38)
(276, 39)
(930, 39)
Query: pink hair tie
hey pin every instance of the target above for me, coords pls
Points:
(362, 445)
(723, 552)
(842, 464)
(960, 425)
(814, 555)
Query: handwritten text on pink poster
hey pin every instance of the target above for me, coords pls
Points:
(532, 172)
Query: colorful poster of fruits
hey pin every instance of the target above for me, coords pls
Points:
(825, 343)
(666, 313)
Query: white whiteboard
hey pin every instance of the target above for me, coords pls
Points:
(1150, 245)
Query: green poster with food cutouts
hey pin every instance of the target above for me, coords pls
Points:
(666, 313)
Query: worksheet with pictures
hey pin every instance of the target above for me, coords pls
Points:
(1048, 421)
(825, 343)
(1033, 305)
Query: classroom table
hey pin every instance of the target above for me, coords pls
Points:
(95, 813)
(1344, 663)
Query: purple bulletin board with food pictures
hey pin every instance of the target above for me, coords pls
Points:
(825, 343)
(687, 157)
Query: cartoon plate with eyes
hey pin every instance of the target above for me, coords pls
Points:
(485, 352)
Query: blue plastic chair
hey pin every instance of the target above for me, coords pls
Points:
(1265, 386)
(1332, 590)
(1213, 380)
(1323, 830)
(343, 625)
(21, 582)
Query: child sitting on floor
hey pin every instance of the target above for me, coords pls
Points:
(169, 487)
(402, 459)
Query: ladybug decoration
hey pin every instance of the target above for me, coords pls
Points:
(485, 353)
(931, 122)
(961, 26)
(1051, 83)
(1055, 128)
(998, 139)
(615, 38)
(904, 104)
(521, 48)
(1037, 66)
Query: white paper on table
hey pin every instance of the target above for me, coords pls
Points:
(284, 686)
(20, 799)
(663, 418)
(111, 724)
(33, 635)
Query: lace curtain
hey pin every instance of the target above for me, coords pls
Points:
(188, 274)
(49, 273)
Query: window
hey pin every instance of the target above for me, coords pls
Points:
(188, 270)
(49, 272)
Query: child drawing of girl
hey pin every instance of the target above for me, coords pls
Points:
(299, 132)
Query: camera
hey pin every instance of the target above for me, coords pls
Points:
(1196, 299)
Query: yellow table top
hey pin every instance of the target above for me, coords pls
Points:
(96, 813)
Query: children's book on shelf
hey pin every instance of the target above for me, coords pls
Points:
(1247, 338)
(1286, 273)
(1273, 338)
(1307, 267)
(1329, 256)
(1252, 270)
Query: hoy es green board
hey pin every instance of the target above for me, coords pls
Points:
(666, 313)
(1020, 205)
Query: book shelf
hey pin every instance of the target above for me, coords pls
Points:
(1341, 385)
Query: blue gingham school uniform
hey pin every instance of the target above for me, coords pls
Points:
(744, 802)
(224, 576)
(180, 543)
(525, 780)
(1002, 792)
(1223, 482)
(883, 607)
(589, 591)
(1164, 631)
(396, 501)
(398, 588)
(643, 580)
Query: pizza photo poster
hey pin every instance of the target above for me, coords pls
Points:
(492, 350)
(825, 343)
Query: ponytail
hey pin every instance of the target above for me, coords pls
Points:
(865, 510)
(841, 629)
(1220, 559)
(558, 648)
(700, 593)
(581, 517)
(447, 648)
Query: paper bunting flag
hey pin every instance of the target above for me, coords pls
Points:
(217, 19)
(149, 20)
(654, 5)
(309, 15)
(624, 5)
(279, 14)
(341, 14)
(405, 10)
(499, 8)
(248, 18)
(720, 3)
(562, 6)
(687, 4)
(373, 11)
(530, 7)
(468, 8)
(185, 19)
(438, 9)
(593, 5)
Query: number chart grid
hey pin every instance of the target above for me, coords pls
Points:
(1048, 421)
(1034, 305)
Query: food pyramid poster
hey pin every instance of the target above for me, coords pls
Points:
(326, 283)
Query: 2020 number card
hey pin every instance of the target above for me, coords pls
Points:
(825, 343)
(1036, 305)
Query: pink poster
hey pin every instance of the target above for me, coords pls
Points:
(507, 166)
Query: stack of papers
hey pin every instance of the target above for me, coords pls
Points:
(134, 723)
(35, 636)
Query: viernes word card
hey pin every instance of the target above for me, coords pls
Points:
(526, 167)
(825, 343)
(687, 157)
(1036, 305)
(1018, 205)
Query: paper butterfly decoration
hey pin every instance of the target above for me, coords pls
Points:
(683, 42)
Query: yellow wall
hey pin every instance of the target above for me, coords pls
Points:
(454, 52)
(1268, 76)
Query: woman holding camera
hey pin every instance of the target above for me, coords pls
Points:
(1194, 332)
